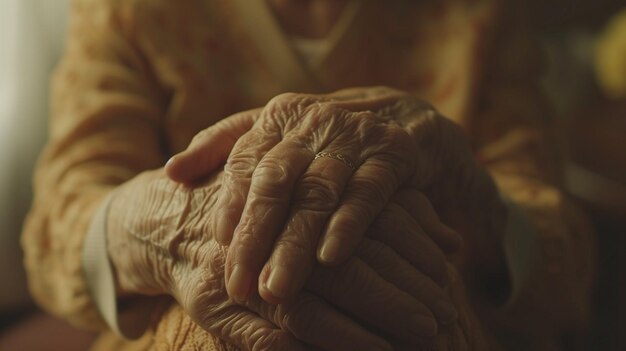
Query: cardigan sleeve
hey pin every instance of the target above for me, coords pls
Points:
(105, 127)
(550, 250)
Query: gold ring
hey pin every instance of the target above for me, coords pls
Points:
(337, 157)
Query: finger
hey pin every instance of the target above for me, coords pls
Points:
(450, 337)
(359, 290)
(263, 216)
(210, 148)
(238, 326)
(313, 321)
(427, 344)
(316, 196)
(366, 194)
(238, 171)
(420, 208)
(403, 275)
(368, 99)
(397, 229)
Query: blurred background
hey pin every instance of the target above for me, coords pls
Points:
(584, 42)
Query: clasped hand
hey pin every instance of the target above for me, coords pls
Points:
(277, 202)
(278, 207)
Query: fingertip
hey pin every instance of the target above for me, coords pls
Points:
(171, 161)
(280, 284)
(454, 240)
(264, 292)
(171, 168)
(225, 228)
(267, 295)
(177, 168)
(332, 251)
(240, 284)
(446, 313)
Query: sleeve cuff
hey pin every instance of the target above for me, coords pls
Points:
(129, 320)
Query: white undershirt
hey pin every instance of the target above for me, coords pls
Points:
(313, 51)
(310, 51)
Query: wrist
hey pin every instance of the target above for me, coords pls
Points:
(150, 217)
(131, 232)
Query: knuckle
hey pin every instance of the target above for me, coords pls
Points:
(240, 164)
(427, 289)
(401, 139)
(368, 124)
(284, 99)
(274, 176)
(299, 317)
(370, 249)
(277, 103)
(217, 257)
(335, 284)
(439, 264)
(368, 188)
(267, 340)
(326, 115)
(280, 104)
(355, 276)
(246, 240)
(426, 125)
(380, 256)
(383, 252)
(317, 193)
(297, 247)
(199, 295)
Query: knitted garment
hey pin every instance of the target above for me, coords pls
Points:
(139, 78)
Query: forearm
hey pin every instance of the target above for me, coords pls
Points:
(130, 248)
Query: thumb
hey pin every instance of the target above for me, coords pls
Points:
(210, 148)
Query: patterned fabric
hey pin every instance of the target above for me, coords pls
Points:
(140, 78)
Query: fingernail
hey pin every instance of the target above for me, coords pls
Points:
(279, 282)
(423, 326)
(225, 230)
(239, 284)
(331, 248)
(170, 161)
(445, 312)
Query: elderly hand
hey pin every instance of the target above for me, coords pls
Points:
(272, 185)
(161, 242)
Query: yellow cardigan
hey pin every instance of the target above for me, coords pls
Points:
(139, 78)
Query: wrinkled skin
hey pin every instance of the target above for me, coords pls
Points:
(161, 242)
(280, 206)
